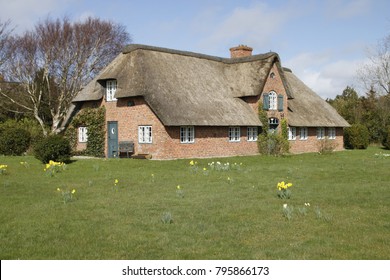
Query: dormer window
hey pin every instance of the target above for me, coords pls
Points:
(110, 90)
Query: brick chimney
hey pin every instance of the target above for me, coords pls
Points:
(240, 51)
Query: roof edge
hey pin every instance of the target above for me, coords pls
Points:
(133, 47)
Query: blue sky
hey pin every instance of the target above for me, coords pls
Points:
(323, 42)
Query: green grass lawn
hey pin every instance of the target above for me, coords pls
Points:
(216, 214)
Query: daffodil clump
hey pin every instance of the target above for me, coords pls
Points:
(116, 182)
(67, 195)
(180, 191)
(54, 167)
(25, 164)
(194, 166)
(283, 190)
(3, 169)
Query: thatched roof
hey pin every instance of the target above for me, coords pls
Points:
(308, 109)
(185, 88)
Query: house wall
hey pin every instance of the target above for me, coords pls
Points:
(312, 144)
(209, 141)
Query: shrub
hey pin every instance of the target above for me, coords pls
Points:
(273, 144)
(356, 137)
(14, 141)
(386, 139)
(53, 147)
(326, 146)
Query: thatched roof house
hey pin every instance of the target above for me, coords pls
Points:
(189, 89)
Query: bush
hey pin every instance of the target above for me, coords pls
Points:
(273, 144)
(356, 137)
(14, 141)
(386, 139)
(326, 146)
(53, 147)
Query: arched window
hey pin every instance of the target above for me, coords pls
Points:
(273, 100)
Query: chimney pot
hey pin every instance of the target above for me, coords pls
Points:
(240, 51)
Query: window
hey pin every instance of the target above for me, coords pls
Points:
(234, 134)
(252, 133)
(332, 133)
(110, 90)
(320, 133)
(303, 133)
(273, 100)
(292, 133)
(273, 124)
(187, 134)
(83, 134)
(145, 134)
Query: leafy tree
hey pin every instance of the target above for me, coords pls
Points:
(52, 62)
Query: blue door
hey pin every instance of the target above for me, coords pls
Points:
(112, 139)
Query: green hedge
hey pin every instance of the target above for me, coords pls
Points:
(53, 147)
(14, 141)
(356, 136)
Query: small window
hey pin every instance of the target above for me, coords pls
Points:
(303, 133)
(320, 133)
(332, 133)
(252, 133)
(234, 134)
(272, 75)
(110, 90)
(145, 134)
(83, 134)
(292, 133)
(187, 134)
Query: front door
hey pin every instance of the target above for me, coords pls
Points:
(112, 139)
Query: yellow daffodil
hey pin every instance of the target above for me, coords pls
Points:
(116, 181)
(73, 191)
(178, 187)
(58, 189)
(192, 163)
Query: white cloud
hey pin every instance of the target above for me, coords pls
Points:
(327, 77)
(253, 26)
(347, 8)
(24, 14)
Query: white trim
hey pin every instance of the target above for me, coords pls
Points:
(320, 133)
(111, 86)
(234, 134)
(292, 133)
(145, 134)
(187, 134)
(332, 133)
(252, 133)
(273, 100)
(83, 134)
(303, 133)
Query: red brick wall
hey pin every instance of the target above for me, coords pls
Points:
(311, 144)
(209, 141)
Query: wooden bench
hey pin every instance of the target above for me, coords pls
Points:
(126, 147)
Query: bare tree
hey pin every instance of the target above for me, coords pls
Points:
(376, 74)
(56, 59)
(5, 32)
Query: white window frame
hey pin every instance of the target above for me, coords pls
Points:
(145, 134)
(111, 86)
(292, 133)
(332, 133)
(187, 134)
(83, 134)
(273, 100)
(234, 134)
(320, 133)
(303, 133)
(253, 133)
